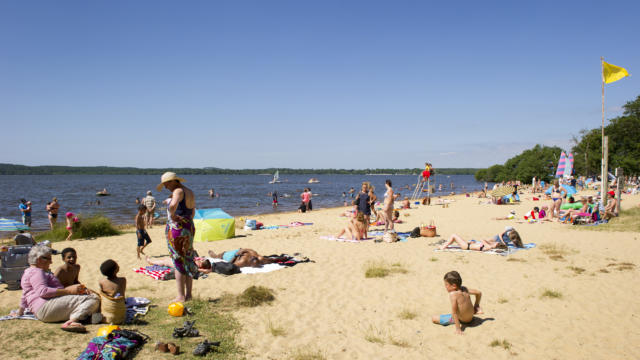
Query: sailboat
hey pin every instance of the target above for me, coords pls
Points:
(276, 178)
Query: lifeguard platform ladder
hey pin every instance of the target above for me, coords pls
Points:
(420, 187)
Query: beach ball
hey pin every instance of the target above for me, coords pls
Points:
(106, 330)
(176, 309)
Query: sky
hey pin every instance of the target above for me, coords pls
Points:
(306, 84)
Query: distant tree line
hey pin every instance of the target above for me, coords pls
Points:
(10, 169)
(542, 161)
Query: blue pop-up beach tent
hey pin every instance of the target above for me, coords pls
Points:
(213, 224)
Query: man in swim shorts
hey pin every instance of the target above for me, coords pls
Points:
(462, 310)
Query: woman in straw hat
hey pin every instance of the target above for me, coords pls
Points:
(180, 231)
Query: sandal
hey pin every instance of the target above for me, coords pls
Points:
(173, 348)
(187, 330)
(162, 347)
(204, 347)
(74, 327)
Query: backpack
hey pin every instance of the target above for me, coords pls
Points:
(415, 232)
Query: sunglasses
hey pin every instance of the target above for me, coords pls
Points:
(45, 258)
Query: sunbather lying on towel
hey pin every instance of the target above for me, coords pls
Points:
(243, 257)
(204, 265)
(486, 244)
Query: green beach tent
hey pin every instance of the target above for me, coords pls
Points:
(213, 224)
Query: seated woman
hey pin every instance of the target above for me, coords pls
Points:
(611, 210)
(355, 229)
(45, 297)
(243, 258)
(406, 204)
(485, 244)
(572, 214)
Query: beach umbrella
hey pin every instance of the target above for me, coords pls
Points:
(12, 225)
(502, 191)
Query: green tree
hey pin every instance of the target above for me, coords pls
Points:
(624, 143)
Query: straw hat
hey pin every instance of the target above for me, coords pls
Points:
(168, 176)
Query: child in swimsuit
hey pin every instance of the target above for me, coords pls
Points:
(462, 310)
(69, 216)
(141, 232)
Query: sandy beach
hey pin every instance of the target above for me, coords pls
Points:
(329, 307)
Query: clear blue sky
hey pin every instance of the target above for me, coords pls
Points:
(314, 84)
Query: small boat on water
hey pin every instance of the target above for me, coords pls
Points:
(103, 192)
(313, 181)
(276, 178)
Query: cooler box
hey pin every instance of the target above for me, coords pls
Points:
(12, 264)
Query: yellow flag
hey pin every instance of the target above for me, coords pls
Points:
(611, 73)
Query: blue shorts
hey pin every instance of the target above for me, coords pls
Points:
(446, 319)
(230, 255)
(142, 236)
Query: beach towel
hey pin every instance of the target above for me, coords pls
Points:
(26, 316)
(264, 269)
(342, 239)
(292, 224)
(113, 309)
(504, 252)
(284, 261)
(136, 306)
(157, 272)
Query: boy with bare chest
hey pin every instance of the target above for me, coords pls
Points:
(68, 272)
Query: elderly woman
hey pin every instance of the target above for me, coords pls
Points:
(45, 297)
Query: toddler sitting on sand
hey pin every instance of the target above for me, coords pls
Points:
(112, 290)
(462, 310)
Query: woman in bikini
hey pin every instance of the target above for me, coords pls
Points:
(387, 209)
(355, 229)
(556, 196)
(486, 244)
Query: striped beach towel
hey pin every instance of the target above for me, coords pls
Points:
(156, 272)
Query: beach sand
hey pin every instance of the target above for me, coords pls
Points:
(329, 307)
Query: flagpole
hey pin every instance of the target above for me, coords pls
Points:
(603, 170)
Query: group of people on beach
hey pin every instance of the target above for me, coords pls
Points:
(364, 205)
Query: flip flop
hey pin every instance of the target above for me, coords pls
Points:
(74, 328)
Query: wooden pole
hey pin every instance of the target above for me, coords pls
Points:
(619, 187)
(603, 166)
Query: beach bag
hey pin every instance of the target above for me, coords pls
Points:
(428, 231)
(225, 268)
(390, 236)
(119, 344)
(251, 224)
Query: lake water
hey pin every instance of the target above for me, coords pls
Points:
(239, 194)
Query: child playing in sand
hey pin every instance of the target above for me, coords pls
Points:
(112, 289)
(140, 230)
(68, 272)
(462, 310)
